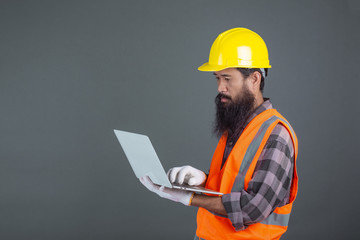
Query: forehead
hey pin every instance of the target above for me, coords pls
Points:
(227, 72)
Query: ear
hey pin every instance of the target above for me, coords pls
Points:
(255, 80)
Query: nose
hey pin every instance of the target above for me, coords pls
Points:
(222, 88)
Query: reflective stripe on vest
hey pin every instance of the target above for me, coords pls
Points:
(277, 219)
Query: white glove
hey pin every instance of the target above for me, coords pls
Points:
(175, 195)
(186, 175)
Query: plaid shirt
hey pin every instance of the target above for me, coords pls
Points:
(269, 187)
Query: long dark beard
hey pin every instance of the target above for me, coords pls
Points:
(231, 116)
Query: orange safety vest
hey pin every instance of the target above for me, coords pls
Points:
(235, 176)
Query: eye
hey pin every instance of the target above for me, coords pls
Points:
(227, 79)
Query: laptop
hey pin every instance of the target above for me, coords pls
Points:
(145, 162)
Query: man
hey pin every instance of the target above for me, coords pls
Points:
(254, 164)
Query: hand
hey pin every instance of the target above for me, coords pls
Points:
(187, 175)
(175, 195)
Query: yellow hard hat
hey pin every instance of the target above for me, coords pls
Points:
(238, 48)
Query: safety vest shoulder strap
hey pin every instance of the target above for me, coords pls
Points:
(258, 144)
(252, 154)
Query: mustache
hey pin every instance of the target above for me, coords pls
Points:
(221, 95)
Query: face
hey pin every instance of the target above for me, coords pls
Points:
(231, 83)
(234, 103)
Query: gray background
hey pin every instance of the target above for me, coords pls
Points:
(72, 71)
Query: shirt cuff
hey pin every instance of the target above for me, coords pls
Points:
(231, 203)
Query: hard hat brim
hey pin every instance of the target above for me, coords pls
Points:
(206, 67)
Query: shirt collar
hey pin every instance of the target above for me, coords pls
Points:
(264, 106)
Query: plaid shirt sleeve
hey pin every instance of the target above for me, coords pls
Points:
(270, 186)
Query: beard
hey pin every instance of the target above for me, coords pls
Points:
(232, 115)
